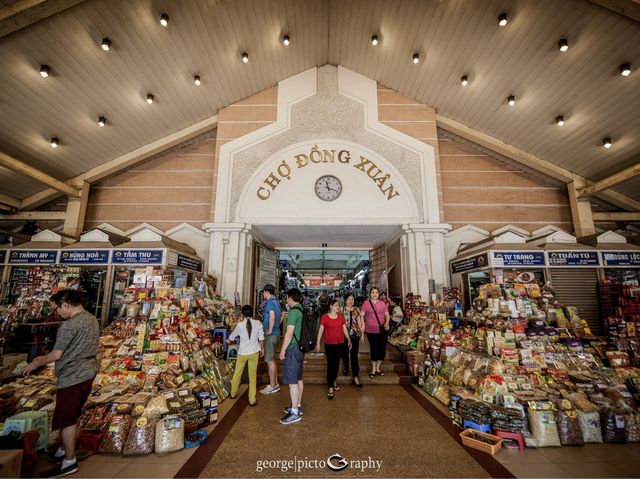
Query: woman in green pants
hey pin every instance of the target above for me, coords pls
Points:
(251, 336)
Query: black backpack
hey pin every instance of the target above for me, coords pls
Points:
(307, 340)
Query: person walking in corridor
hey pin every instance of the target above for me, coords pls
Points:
(376, 320)
(251, 336)
(271, 325)
(334, 329)
(293, 357)
(355, 326)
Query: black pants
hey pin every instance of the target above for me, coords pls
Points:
(345, 356)
(378, 345)
(333, 353)
(355, 348)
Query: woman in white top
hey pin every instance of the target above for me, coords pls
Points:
(251, 348)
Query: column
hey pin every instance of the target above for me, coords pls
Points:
(227, 256)
(424, 256)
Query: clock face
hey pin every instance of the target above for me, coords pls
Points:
(328, 187)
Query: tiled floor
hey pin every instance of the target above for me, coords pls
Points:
(154, 465)
(381, 422)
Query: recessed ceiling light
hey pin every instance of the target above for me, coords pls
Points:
(164, 20)
(511, 100)
(55, 142)
(106, 44)
(502, 19)
(196, 80)
(625, 69)
(102, 121)
(464, 80)
(149, 98)
(416, 58)
(44, 71)
(607, 142)
(245, 57)
(286, 40)
(563, 44)
(560, 120)
(374, 40)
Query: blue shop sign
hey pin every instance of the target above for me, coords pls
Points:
(473, 262)
(137, 256)
(621, 258)
(187, 262)
(502, 259)
(573, 258)
(37, 256)
(84, 256)
(3, 255)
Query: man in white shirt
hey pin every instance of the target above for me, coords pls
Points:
(251, 336)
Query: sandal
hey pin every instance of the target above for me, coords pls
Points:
(336, 387)
(330, 395)
(372, 376)
(380, 373)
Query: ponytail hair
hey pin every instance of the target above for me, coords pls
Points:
(247, 311)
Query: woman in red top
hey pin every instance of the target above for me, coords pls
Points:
(334, 329)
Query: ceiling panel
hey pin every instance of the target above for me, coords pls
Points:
(207, 37)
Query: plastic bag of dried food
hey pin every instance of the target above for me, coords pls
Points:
(590, 426)
(582, 403)
(543, 428)
(632, 427)
(612, 425)
(169, 434)
(142, 437)
(568, 424)
(116, 435)
(156, 407)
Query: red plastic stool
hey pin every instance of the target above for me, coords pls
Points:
(512, 435)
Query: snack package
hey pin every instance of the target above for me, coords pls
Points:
(141, 438)
(542, 423)
(612, 425)
(590, 427)
(116, 436)
(169, 434)
(568, 424)
(632, 427)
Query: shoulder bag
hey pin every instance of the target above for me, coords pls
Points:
(380, 325)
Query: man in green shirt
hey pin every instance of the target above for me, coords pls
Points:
(293, 357)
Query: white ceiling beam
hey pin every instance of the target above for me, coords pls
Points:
(127, 160)
(27, 170)
(34, 216)
(617, 216)
(610, 181)
(23, 13)
(532, 161)
(9, 201)
(627, 8)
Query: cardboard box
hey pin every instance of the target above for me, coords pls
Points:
(10, 463)
(10, 361)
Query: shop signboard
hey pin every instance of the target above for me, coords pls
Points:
(573, 258)
(502, 259)
(137, 256)
(3, 256)
(36, 256)
(84, 256)
(620, 258)
(473, 262)
(187, 262)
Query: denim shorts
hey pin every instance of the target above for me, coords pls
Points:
(293, 366)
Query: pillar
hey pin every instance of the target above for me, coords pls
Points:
(227, 256)
(424, 257)
(76, 210)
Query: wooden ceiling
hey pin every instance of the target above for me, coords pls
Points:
(207, 38)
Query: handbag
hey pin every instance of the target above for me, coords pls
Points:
(380, 325)
(353, 332)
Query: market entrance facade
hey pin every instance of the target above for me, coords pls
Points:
(326, 174)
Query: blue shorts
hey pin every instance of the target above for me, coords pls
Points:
(293, 366)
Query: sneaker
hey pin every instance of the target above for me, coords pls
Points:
(268, 389)
(287, 410)
(60, 471)
(290, 418)
(51, 455)
(253, 404)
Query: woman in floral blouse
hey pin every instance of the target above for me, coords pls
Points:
(355, 325)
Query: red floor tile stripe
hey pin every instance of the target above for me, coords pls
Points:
(199, 460)
(488, 463)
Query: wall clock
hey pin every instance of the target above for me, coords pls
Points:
(328, 187)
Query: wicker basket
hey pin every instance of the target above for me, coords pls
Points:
(468, 439)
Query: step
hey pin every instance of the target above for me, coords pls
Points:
(321, 365)
(319, 377)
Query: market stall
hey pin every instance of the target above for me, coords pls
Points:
(148, 266)
(502, 259)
